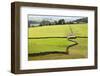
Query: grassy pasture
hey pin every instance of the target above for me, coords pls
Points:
(58, 30)
(57, 44)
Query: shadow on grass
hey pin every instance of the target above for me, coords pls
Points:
(56, 52)
(45, 53)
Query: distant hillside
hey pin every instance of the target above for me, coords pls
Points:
(56, 22)
(33, 22)
(83, 20)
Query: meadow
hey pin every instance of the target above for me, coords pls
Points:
(37, 44)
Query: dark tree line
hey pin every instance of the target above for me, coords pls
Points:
(59, 22)
(47, 22)
(62, 21)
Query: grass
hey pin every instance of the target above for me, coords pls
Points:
(78, 51)
(51, 44)
(57, 44)
(58, 30)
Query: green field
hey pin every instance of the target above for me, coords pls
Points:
(57, 44)
(58, 30)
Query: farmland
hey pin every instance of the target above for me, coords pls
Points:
(37, 41)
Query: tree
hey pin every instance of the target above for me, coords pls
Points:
(55, 22)
(61, 21)
(45, 22)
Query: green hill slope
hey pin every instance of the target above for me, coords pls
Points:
(57, 44)
(58, 30)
